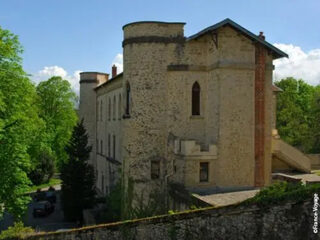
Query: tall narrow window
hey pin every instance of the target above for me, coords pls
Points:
(114, 147)
(101, 110)
(109, 109)
(98, 111)
(114, 107)
(109, 145)
(204, 172)
(119, 107)
(102, 182)
(196, 99)
(97, 145)
(128, 99)
(155, 169)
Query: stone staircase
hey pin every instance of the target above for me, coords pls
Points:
(290, 155)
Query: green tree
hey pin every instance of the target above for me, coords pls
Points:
(43, 169)
(316, 121)
(295, 113)
(56, 103)
(78, 180)
(18, 122)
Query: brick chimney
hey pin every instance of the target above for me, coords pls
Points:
(261, 36)
(114, 71)
(260, 62)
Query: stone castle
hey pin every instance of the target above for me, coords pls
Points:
(198, 111)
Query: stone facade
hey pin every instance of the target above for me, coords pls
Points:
(159, 138)
(289, 221)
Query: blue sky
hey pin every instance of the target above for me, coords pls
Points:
(86, 35)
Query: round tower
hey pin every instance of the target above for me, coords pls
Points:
(148, 48)
(87, 106)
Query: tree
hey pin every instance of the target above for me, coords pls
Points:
(56, 103)
(43, 169)
(296, 113)
(78, 179)
(18, 122)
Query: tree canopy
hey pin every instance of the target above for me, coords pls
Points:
(298, 114)
(56, 105)
(18, 123)
(35, 126)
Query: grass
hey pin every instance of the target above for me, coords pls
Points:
(52, 182)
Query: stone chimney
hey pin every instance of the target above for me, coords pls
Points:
(114, 71)
(261, 36)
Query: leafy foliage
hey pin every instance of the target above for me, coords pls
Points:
(283, 191)
(56, 104)
(18, 122)
(112, 212)
(18, 230)
(78, 179)
(43, 169)
(298, 114)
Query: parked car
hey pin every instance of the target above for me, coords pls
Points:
(42, 209)
(51, 196)
(40, 196)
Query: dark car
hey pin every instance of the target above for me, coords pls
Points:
(40, 196)
(42, 209)
(51, 196)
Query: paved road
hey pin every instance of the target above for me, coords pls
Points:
(53, 222)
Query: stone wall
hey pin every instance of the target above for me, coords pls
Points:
(108, 132)
(287, 221)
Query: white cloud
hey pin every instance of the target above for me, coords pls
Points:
(300, 64)
(50, 71)
(118, 61)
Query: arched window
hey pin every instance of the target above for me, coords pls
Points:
(128, 98)
(196, 99)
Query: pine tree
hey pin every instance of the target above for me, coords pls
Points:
(78, 180)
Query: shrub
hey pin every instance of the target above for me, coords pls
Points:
(18, 230)
(283, 191)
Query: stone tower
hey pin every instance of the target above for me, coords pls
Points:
(88, 108)
(148, 48)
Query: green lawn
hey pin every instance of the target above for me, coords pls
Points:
(52, 182)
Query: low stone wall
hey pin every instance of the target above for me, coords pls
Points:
(286, 221)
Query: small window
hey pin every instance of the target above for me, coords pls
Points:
(196, 99)
(97, 145)
(204, 172)
(155, 169)
(114, 147)
(128, 99)
(102, 182)
(109, 109)
(109, 145)
(119, 107)
(114, 107)
(98, 111)
(101, 110)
